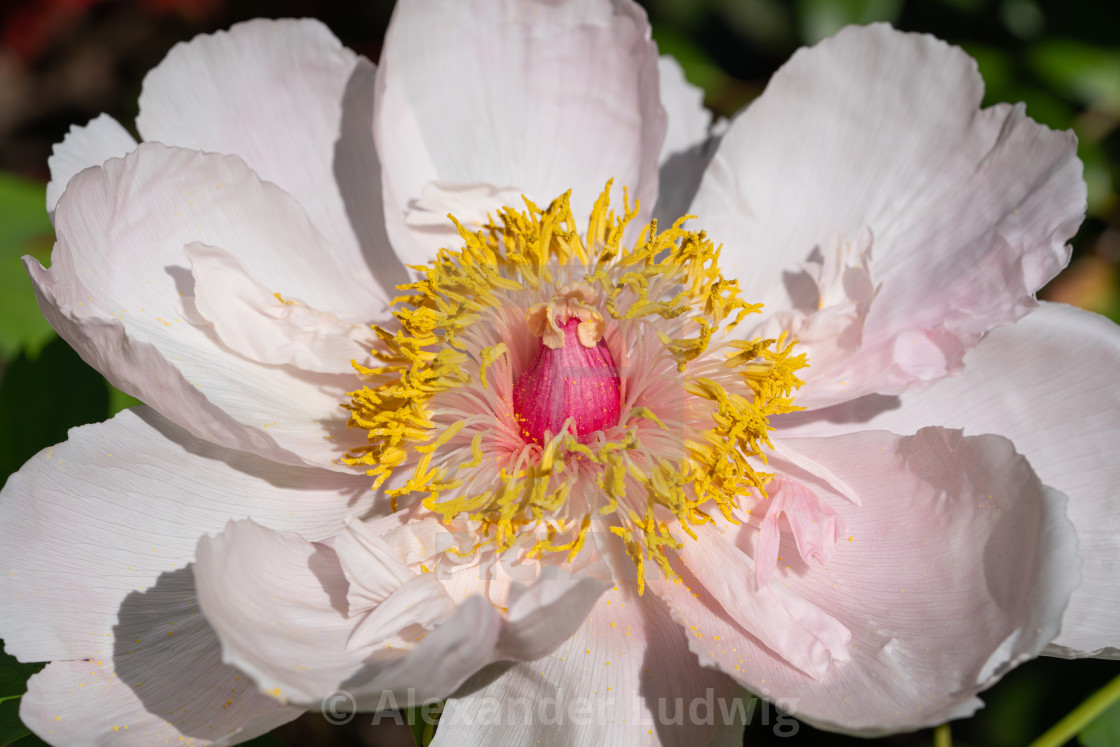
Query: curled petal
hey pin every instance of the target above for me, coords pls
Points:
(288, 613)
(103, 138)
(815, 526)
(625, 677)
(266, 326)
(297, 106)
(98, 536)
(957, 566)
(119, 270)
(1047, 382)
(567, 100)
(873, 128)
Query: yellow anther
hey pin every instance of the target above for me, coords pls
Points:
(669, 280)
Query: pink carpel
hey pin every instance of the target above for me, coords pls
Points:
(571, 381)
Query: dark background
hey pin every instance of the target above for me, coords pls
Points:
(63, 62)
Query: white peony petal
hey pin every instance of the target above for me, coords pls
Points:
(625, 678)
(805, 636)
(688, 145)
(288, 614)
(1048, 383)
(879, 130)
(277, 602)
(103, 138)
(118, 504)
(372, 569)
(265, 326)
(287, 97)
(119, 267)
(164, 682)
(957, 567)
(689, 123)
(566, 100)
(98, 535)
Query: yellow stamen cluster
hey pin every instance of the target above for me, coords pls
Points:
(668, 280)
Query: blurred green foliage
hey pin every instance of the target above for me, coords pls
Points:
(24, 229)
(13, 684)
(1105, 731)
(44, 396)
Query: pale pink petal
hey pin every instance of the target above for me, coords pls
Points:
(119, 267)
(957, 567)
(836, 294)
(689, 123)
(1048, 383)
(879, 130)
(372, 569)
(265, 326)
(815, 527)
(625, 678)
(383, 590)
(288, 615)
(567, 100)
(277, 602)
(98, 536)
(104, 514)
(800, 633)
(688, 144)
(103, 138)
(163, 682)
(288, 98)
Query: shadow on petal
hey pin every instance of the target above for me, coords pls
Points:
(358, 173)
(170, 657)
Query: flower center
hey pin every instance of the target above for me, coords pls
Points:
(527, 430)
(573, 375)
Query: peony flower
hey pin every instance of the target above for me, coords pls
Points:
(817, 441)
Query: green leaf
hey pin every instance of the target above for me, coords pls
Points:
(821, 18)
(13, 684)
(1043, 106)
(11, 728)
(118, 400)
(13, 678)
(24, 229)
(23, 210)
(1098, 177)
(699, 68)
(423, 721)
(971, 7)
(42, 398)
(997, 68)
(1023, 18)
(1081, 72)
(1104, 730)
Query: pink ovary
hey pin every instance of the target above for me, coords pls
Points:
(571, 381)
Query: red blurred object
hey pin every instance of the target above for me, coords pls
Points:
(188, 10)
(28, 30)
